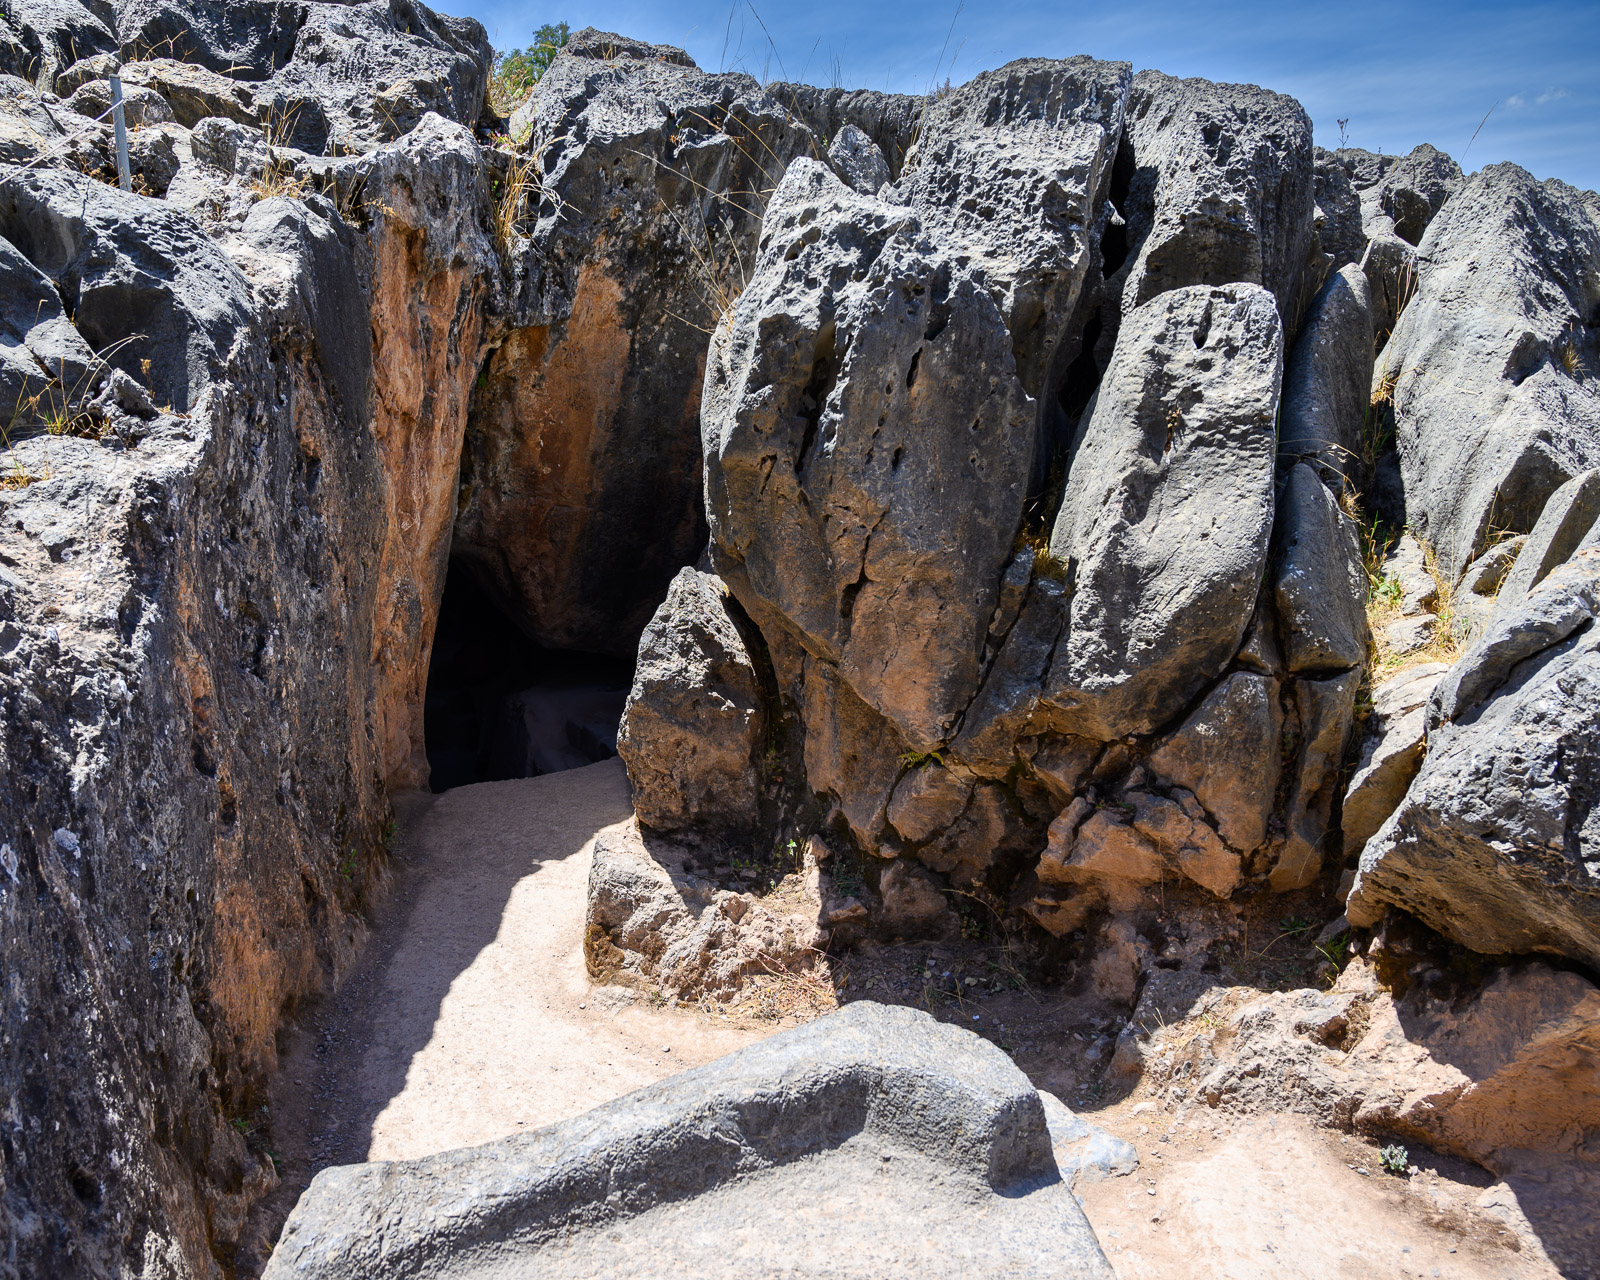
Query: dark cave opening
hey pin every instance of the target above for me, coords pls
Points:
(500, 706)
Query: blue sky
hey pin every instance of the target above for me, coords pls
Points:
(1400, 73)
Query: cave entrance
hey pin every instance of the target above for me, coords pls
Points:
(500, 706)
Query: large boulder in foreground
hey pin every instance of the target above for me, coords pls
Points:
(1497, 845)
(873, 1142)
(1494, 405)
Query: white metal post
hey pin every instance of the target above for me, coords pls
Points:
(124, 176)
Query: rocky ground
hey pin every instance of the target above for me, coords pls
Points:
(471, 1018)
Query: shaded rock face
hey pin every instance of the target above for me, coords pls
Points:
(1495, 844)
(1492, 412)
(216, 597)
(1328, 382)
(581, 480)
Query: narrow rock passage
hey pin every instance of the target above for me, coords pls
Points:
(470, 1016)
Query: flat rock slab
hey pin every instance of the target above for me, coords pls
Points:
(874, 1142)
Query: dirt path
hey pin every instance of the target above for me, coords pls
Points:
(470, 1017)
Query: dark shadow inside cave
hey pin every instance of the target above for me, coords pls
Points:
(500, 706)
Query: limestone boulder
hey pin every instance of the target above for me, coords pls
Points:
(890, 120)
(581, 479)
(857, 159)
(1392, 746)
(141, 107)
(1221, 190)
(1011, 170)
(1569, 515)
(1493, 412)
(194, 92)
(41, 38)
(1495, 843)
(1167, 514)
(1339, 232)
(1414, 189)
(1328, 381)
(1319, 585)
(867, 445)
(146, 282)
(41, 350)
(853, 1118)
(694, 725)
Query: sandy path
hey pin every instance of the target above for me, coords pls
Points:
(470, 1015)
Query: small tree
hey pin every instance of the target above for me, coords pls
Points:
(516, 73)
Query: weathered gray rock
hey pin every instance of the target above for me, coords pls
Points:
(1012, 169)
(891, 120)
(157, 154)
(1222, 188)
(850, 1112)
(140, 106)
(1229, 753)
(867, 448)
(1167, 513)
(1496, 845)
(326, 77)
(200, 599)
(1390, 265)
(1327, 381)
(1399, 195)
(582, 482)
(1391, 752)
(1322, 711)
(97, 66)
(41, 353)
(1339, 232)
(40, 38)
(34, 130)
(1415, 188)
(856, 158)
(128, 263)
(249, 39)
(693, 729)
(1490, 421)
(1320, 587)
(1407, 564)
(1568, 516)
(193, 91)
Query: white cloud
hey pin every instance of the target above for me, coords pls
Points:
(1515, 101)
(1552, 94)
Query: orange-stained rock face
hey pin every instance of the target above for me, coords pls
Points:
(427, 333)
(581, 482)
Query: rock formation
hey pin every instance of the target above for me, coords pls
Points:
(987, 486)
(843, 1119)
